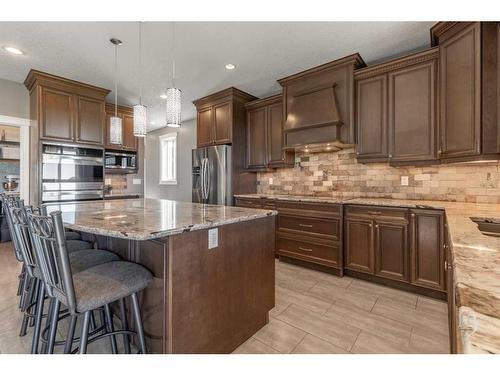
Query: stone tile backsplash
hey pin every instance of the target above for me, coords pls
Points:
(339, 174)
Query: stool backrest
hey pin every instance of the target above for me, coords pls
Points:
(8, 203)
(22, 232)
(50, 244)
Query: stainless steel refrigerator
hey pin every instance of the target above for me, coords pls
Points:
(212, 174)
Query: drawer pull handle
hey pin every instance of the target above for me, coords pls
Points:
(306, 225)
(374, 213)
(305, 248)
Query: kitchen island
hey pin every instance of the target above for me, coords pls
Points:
(213, 267)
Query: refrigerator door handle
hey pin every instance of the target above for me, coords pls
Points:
(202, 176)
(207, 169)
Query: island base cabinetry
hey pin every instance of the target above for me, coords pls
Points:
(205, 300)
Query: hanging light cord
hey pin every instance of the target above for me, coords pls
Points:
(173, 54)
(116, 80)
(140, 61)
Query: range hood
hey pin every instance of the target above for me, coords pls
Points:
(9, 150)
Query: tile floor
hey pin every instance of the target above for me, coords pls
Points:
(314, 313)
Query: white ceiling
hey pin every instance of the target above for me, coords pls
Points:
(262, 52)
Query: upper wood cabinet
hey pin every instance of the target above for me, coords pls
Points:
(264, 129)
(129, 140)
(66, 110)
(396, 110)
(460, 98)
(221, 117)
(318, 104)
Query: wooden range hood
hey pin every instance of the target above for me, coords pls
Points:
(318, 106)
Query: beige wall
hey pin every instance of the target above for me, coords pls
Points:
(186, 141)
(339, 174)
(14, 99)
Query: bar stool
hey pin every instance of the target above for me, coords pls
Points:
(79, 260)
(88, 290)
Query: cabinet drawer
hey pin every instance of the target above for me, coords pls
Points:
(309, 250)
(376, 212)
(248, 202)
(326, 227)
(321, 210)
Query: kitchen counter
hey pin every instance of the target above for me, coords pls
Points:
(476, 263)
(146, 219)
(295, 198)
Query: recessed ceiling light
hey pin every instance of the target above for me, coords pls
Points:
(230, 66)
(163, 96)
(13, 50)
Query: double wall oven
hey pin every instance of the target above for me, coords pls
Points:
(71, 173)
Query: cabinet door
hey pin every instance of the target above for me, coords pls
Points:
(57, 115)
(427, 249)
(204, 127)
(90, 124)
(222, 123)
(460, 93)
(412, 113)
(371, 118)
(129, 141)
(257, 138)
(391, 249)
(276, 156)
(359, 245)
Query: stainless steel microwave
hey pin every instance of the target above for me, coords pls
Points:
(121, 161)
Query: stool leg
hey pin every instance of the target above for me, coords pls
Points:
(85, 333)
(28, 297)
(53, 326)
(47, 325)
(38, 318)
(138, 323)
(71, 334)
(110, 328)
(123, 316)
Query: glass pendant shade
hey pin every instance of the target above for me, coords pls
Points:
(173, 107)
(115, 130)
(140, 120)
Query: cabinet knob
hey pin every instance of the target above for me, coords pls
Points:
(390, 155)
(412, 215)
(376, 226)
(357, 153)
(440, 152)
(370, 225)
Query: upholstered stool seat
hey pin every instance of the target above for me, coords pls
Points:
(108, 282)
(72, 236)
(77, 245)
(84, 259)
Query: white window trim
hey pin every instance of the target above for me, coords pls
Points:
(161, 138)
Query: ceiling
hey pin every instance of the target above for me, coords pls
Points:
(262, 52)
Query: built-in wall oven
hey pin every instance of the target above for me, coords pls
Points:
(71, 173)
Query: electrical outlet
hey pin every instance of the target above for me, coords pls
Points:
(107, 181)
(404, 181)
(213, 238)
(271, 181)
(136, 181)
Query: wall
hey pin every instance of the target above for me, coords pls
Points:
(339, 174)
(186, 141)
(14, 99)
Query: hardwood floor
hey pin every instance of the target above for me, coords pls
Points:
(314, 313)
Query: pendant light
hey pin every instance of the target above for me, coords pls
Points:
(140, 111)
(173, 94)
(115, 122)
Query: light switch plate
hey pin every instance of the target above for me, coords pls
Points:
(213, 238)
(136, 181)
(271, 181)
(404, 181)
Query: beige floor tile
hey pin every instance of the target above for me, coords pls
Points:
(294, 281)
(331, 330)
(411, 316)
(254, 346)
(427, 345)
(309, 302)
(280, 336)
(371, 344)
(332, 293)
(377, 325)
(432, 305)
(385, 292)
(314, 345)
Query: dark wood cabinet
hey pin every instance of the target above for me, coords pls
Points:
(264, 127)
(221, 117)
(412, 113)
(460, 91)
(318, 104)
(129, 140)
(371, 118)
(359, 242)
(396, 110)
(391, 249)
(90, 124)
(427, 249)
(57, 114)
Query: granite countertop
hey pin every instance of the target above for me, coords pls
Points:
(145, 219)
(476, 262)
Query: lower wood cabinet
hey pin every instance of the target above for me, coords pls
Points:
(391, 249)
(359, 244)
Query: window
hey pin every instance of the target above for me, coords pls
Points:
(168, 159)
